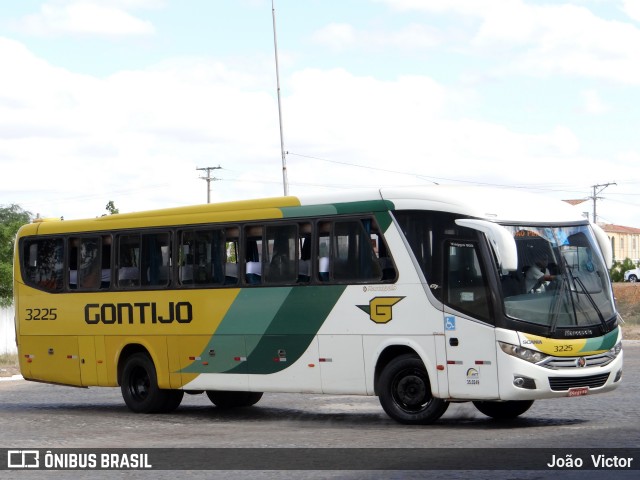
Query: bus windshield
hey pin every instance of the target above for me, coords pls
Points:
(561, 281)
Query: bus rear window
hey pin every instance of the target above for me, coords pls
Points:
(43, 263)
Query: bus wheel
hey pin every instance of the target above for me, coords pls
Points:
(405, 392)
(140, 389)
(225, 399)
(504, 410)
(173, 401)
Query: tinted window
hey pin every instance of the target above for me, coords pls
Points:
(466, 286)
(202, 257)
(348, 252)
(144, 260)
(43, 263)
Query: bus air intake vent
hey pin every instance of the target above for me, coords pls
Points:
(565, 383)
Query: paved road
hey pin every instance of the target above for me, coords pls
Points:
(36, 415)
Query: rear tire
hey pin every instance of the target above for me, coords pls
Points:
(504, 410)
(140, 389)
(405, 392)
(633, 278)
(226, 399)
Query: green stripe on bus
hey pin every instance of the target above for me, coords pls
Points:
(264, 323)
(308, 211)
(367, 206)
(601, 343)
(337, 208)
(292, 330)
(253, 311)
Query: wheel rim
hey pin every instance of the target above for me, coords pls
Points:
(139, 384)
(411, 391)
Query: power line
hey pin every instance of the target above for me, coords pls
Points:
(433, 179)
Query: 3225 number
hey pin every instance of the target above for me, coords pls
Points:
(41, 314)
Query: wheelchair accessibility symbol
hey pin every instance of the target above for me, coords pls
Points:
(449, 323)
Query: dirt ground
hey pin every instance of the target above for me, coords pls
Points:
(627, 299)
(628, 303)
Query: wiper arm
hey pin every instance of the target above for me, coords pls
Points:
(592, 302)
(558, 302)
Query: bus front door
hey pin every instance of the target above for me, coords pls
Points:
(469, 336)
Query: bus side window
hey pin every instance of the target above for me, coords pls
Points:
(89, 263)
(304, 258)
(232, 247)
(128, 270)
(280, 254)
(348, 251)
(352, 254)
(43, 263)
(466, 283)
(384, 259)
(253, 251)
(144, 260)
(201, 257)
(324, 251)
(106, 262)
(156, 259)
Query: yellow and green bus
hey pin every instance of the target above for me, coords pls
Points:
(421, 296)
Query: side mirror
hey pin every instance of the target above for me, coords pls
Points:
(503, 243)
(604, 244)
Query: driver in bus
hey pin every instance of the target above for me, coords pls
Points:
(538, 277)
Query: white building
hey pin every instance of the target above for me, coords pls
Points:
(7, 331)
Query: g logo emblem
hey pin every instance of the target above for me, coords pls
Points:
(380, 308)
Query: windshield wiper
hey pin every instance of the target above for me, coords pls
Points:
(558, 302)
(567, 271)
(579, 281)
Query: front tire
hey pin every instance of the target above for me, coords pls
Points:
(139, 387)
(405, 392)
(633, 278)
(504, 410)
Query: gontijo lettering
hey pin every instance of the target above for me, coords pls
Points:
(137, 313)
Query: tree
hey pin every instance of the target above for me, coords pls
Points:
(111, 208)
(11, 219)
(617, 270)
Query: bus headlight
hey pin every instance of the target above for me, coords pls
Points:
(615, 351)
(523, 353)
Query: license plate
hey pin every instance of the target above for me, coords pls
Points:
(577, 391)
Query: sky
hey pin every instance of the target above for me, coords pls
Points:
(123, 100)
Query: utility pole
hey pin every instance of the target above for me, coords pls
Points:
(285, 182)
(209, 178)
(595, 197)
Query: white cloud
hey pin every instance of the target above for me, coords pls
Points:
(593, 104)
(137, 137)
(542, 40)
(632, 9)
(341, 36)
(335, 35)
(87, 18)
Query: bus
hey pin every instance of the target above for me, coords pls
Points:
(416, 295)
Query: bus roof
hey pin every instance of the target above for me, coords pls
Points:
(499, 205)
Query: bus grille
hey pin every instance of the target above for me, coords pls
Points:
(565, 383)
(599, 360)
